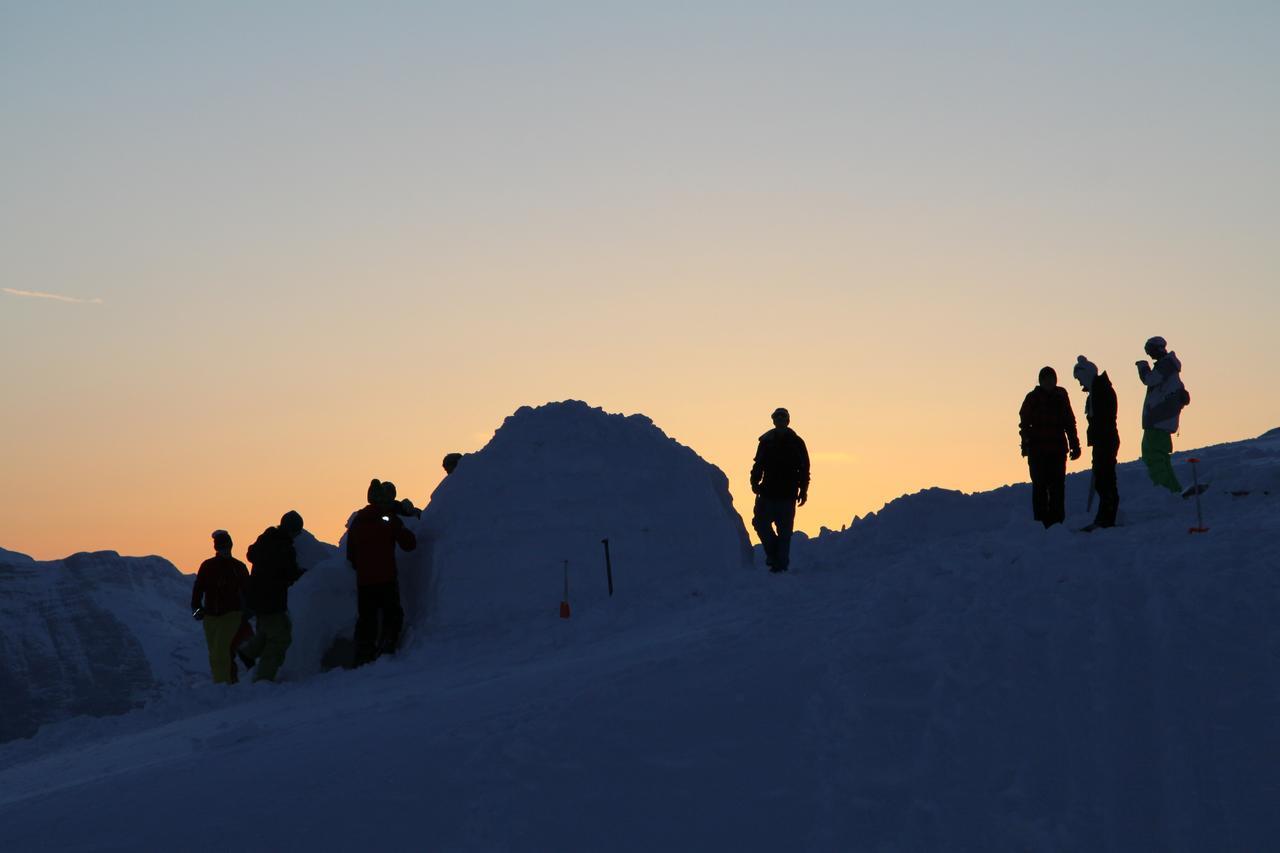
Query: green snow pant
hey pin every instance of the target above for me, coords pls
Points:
(269, 644)
(1157, 446)
(219, 631)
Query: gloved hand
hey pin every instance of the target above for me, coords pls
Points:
(804, 497)
(198, 614)
(1024, 450)
(755, 488)
(1075, 454)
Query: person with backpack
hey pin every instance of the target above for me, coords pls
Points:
(275, 569)
(1161, 410)
(1047, 427)
(780, 481)
(373, 535)
(1103, 436)
(217, 602)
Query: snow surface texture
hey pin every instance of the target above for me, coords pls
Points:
(551, 484)
(97, 634)
(945, 675)
(92, 634)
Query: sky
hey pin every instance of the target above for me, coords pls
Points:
(298, 245)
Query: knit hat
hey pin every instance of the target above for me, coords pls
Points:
(291, 522)
(1049, 373)
(1085, 371)
(221, 540)
(375, 491)
(781, 412)
(1155, 345)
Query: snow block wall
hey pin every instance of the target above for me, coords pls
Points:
(93, 634)
(548, 487)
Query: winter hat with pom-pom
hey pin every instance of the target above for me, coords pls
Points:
(1085, 371)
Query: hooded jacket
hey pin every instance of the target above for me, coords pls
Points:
(781, 468)
(275, 568)
(1046, 423)
(1162, 407)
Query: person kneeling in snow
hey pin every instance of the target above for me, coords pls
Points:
(275, 569)
(780, 480)
(372, 537)
(1103, 436)
(1048, 429)
(217, 600)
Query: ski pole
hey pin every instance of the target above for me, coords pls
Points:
(1195, 479)
(564, 605)
(608, 565)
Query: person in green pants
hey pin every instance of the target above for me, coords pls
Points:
(1166, 397)
(217, 600)
(275, 568)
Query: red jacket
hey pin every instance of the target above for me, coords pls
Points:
(372, 538)
(221, 585)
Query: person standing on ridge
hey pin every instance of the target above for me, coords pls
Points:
(1166, 396)
(1103, 436)
(1048, 429)
(780, 482)
(217, 601)
(275, 569)
(372, 537)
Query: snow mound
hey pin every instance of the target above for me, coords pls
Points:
(92, 634)
(551, 484)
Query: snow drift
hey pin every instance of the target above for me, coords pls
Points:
(91, 634)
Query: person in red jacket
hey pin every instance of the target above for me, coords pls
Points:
(1048, 429)
(218, 601)
(372, 538)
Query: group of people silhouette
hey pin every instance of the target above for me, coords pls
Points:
(245, 614)
(1047, 427)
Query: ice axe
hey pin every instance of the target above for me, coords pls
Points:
(1195, 479)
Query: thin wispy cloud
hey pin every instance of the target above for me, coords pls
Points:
(35, 294)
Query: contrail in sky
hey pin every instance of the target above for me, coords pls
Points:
(35, 294)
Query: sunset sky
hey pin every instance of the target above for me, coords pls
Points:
(297, 245)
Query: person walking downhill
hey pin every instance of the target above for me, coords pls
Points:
(372, 537)
(1103, 436)
(218, 601)
(1161, 409)
(780, 481)
(1048, 430)
(275, 569)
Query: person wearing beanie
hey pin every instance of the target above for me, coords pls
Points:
(780, 481)
(450, 462)
(217, 602)
(275, 569)
(1166, 397)
(1103, 436)
(1048, 430)
(373, 535)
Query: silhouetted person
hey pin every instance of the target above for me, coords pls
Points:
(372, 537)
(275, 569)
(218, 601)
(451, 461)
(1160, 411)
(1103, 436)
(1048, 429)
(780, 480)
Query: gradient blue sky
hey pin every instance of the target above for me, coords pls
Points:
(334, 241)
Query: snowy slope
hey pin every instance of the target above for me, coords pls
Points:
(917, 684)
